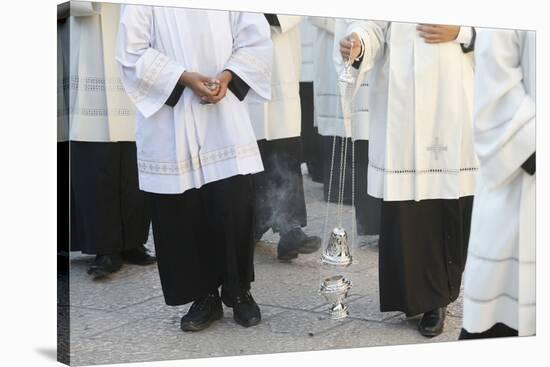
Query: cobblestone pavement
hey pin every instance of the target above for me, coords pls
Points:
(124, 318)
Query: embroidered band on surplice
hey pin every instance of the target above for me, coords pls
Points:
(148, 80)
(427, 170)
(246, 57)
(196, 162)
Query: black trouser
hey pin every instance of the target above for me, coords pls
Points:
(328, 143)
(63, 201)
(204, 239)
(311, 140)
(111, 213)
(280, 200)
(367, 208)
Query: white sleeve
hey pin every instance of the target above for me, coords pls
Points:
(504, 114)
(372, 35)
(148, 76)
(252, 55)
(464, 36)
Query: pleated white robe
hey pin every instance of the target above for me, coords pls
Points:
(63, 53)
(353, 103)
(281, 117)
(98, 107)
(500, 270)
(419, 102)
(328, 109)
(307, 36)
(192, 144)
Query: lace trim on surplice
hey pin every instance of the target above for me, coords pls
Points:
(247, 57)
(451, 171)
(149, 78)
(197, 162)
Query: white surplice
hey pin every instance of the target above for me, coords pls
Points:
(330, 119)
(281, 117)
(63, 53)
(420, 107)
(328, 110)
(500, 270)
(99, 109)
(307, 35)
(192, 144)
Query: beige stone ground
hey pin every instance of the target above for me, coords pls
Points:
(124, 319)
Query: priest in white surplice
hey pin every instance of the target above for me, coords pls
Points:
(280, 201)
(499, 280)
(110, 216)
(421, 158)
(188, 72)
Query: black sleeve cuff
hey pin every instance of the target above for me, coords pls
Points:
(272, 19)
(175, 95)
(357, 63)
(472, 44)
(238, 86)
(529, 165)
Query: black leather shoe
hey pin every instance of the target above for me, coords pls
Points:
(432, 322)
(245, 310)
(296, 242)
(104, 265)
(138, 256)
(202, 313)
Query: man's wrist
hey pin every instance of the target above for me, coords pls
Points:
(227, 76)
(184, 79)
(175, 96)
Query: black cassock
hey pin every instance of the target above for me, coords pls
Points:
(422, 253)
(311, 140)
(204, 239)
(367, 208)
(63, 199)
(109, 212)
